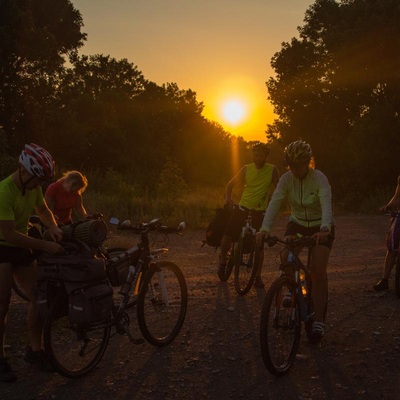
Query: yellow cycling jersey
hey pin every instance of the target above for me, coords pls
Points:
(258, 187)
(16, 207)
(310, 200)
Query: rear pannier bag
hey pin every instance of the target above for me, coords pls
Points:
(77, 264)
(90, 304)
(46, 292)
(216, 227)
(82, 277)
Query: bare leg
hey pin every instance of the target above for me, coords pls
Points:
(319, 262)
(260, 262)
(5, 296)
(26, 278)
(390, 260)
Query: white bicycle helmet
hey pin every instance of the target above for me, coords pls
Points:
(259, 146)
(37, 161)
(298, 152)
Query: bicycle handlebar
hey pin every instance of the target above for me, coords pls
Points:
(392, 213)
(145, 227)
(307, 241)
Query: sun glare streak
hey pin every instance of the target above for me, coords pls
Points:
(235, 155)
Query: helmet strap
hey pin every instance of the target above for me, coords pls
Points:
(23, 184)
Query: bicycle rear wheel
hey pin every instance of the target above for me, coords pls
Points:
(280, 326)
(162, 303)
(226, 273)
(246, 264)
(19, 291)
(74, 351)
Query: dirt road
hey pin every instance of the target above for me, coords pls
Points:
(216, 356)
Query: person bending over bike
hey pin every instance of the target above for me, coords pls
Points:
(20, 193)
(392, 240)
(310, 198)
(65, 195)
(259, 179)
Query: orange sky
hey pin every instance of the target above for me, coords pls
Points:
(221, 49)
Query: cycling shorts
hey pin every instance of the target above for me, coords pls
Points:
(393, 235)
(292, 229)
(238, 218)
(16, 255)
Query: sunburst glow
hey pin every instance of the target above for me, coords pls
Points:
(234, 111)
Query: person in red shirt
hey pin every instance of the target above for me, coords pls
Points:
(65, 195)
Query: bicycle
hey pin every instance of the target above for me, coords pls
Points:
(287, 303)
(157, 288)
(242, 258)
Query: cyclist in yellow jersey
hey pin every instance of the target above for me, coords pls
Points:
(20, 194)
(259, 179)
(310, 198)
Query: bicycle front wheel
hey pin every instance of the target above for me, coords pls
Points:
(280, 326)
(245, 266)
(162, 303)
(74, 351)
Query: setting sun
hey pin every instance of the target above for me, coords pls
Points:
(234, 111)
(235, 104)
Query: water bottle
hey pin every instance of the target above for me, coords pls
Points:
(303, 295)
(291, 257)
(302, 278)
(129, 279)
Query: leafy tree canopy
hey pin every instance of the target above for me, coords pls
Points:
(338, 87)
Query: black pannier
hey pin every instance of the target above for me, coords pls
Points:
(216, 227)
(89, 304)
(82, 278)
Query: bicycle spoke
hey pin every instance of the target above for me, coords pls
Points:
(245, 269)
(162, 304)
(280, 327)
(74, 351)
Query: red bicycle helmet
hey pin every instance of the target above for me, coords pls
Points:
(37, 161)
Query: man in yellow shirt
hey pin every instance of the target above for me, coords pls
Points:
(20, 194)
(259, 179)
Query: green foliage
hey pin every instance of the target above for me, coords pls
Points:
(8, 164)
(195, 206)
(35, 36)
(170, 187)
(375, 199)
(338, 87)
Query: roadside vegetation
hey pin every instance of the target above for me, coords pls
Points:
(147, 149)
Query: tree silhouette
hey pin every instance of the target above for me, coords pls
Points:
(337, 86)
(35, 37)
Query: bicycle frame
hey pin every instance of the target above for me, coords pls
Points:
(296, 265)
(286, 306)
(137, 270)
(157, 289)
